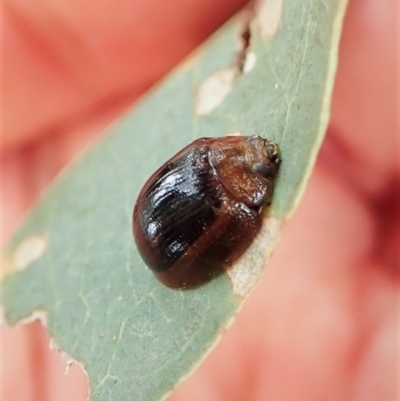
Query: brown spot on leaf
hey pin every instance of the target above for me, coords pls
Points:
(30, 249)
(213, 91)
(268, 17)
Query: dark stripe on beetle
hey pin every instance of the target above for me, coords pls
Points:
(176, 211)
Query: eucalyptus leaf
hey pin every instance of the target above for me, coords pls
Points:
(74, 260)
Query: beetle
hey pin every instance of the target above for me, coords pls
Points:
(201, 210)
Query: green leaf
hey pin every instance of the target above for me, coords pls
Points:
(74, 260)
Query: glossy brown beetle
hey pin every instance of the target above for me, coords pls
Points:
(201, 210)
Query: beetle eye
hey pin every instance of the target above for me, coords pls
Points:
(263, 169)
